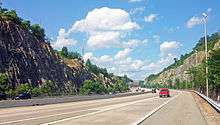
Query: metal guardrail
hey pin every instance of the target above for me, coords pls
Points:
(213, 103)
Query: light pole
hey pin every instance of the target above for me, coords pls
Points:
(205, 16)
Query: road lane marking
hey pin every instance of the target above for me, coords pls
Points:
(42, 107)
(91, 109)
(100, 111)
(154, 111)
(34, 118)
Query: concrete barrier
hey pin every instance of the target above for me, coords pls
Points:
(63, 99)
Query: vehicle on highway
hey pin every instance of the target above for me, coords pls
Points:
(154, 90)
(3, 96)
(164, 92)
(23, 96)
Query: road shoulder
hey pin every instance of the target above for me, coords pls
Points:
(211, 116)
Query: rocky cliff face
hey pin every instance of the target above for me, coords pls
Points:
(180, 72)
(27, 59)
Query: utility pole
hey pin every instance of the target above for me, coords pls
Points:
(205, 16)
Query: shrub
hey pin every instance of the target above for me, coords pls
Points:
(3, 82)
(48, 88)
(26, 24)
(12, 15)
(91, 87)
(37, 31)
(24, 88)
(36, 91)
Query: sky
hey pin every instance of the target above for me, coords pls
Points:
(128, 37)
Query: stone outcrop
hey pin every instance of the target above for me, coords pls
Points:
(28, 59)
(180, 72)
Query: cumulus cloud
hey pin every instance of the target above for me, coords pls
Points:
(104, 39)
(63, 40)
(137, 10)
(169, 46)
(105, 26)
(193, 21)
(132, 43)
(123, 53)
(150, 18)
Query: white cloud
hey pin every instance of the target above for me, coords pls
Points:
(132, 43)
(88, 55)
(209, 10)
(134, 1)
(150, 18)
(156, 38)
(106, 58)
(193, 21)
(137, 10)
(168, 47)
(104, 39)
(105, 26)
(63, 40)
(123, 53)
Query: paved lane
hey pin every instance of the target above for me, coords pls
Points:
(49, 113)
(180, 109)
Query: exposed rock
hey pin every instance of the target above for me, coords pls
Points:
(27, 59)
(180, 72)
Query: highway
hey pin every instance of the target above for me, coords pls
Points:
(146, 109)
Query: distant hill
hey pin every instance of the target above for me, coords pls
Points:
(179, 69)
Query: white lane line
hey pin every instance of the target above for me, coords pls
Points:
(34, 118)
(154, 111)
(100, 111)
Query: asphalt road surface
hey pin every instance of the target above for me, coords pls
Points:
(149, 109)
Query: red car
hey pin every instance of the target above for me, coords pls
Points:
(164, 92)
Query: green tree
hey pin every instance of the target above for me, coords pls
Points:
(86, 88)
(38, 31)
(91, 87)
(214, 70)
(36, 91)
(12, 15)
(74, 55)
(48, 88)
(24, 88)
(26, 24)
(64, 52)
(3, 82)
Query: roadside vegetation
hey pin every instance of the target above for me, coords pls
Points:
(197, 72)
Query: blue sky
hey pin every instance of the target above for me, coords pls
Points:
(132, 37)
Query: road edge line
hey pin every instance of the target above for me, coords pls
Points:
(154, 111)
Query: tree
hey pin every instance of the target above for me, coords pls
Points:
(36, 91)
(12, 15)
(64, 52)
(74, 55)
(48, 88)
(91, 87)
(214, 70)
(38, 31)
(3, 82)
(175, 60)
(26, 24)
(24, 88)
